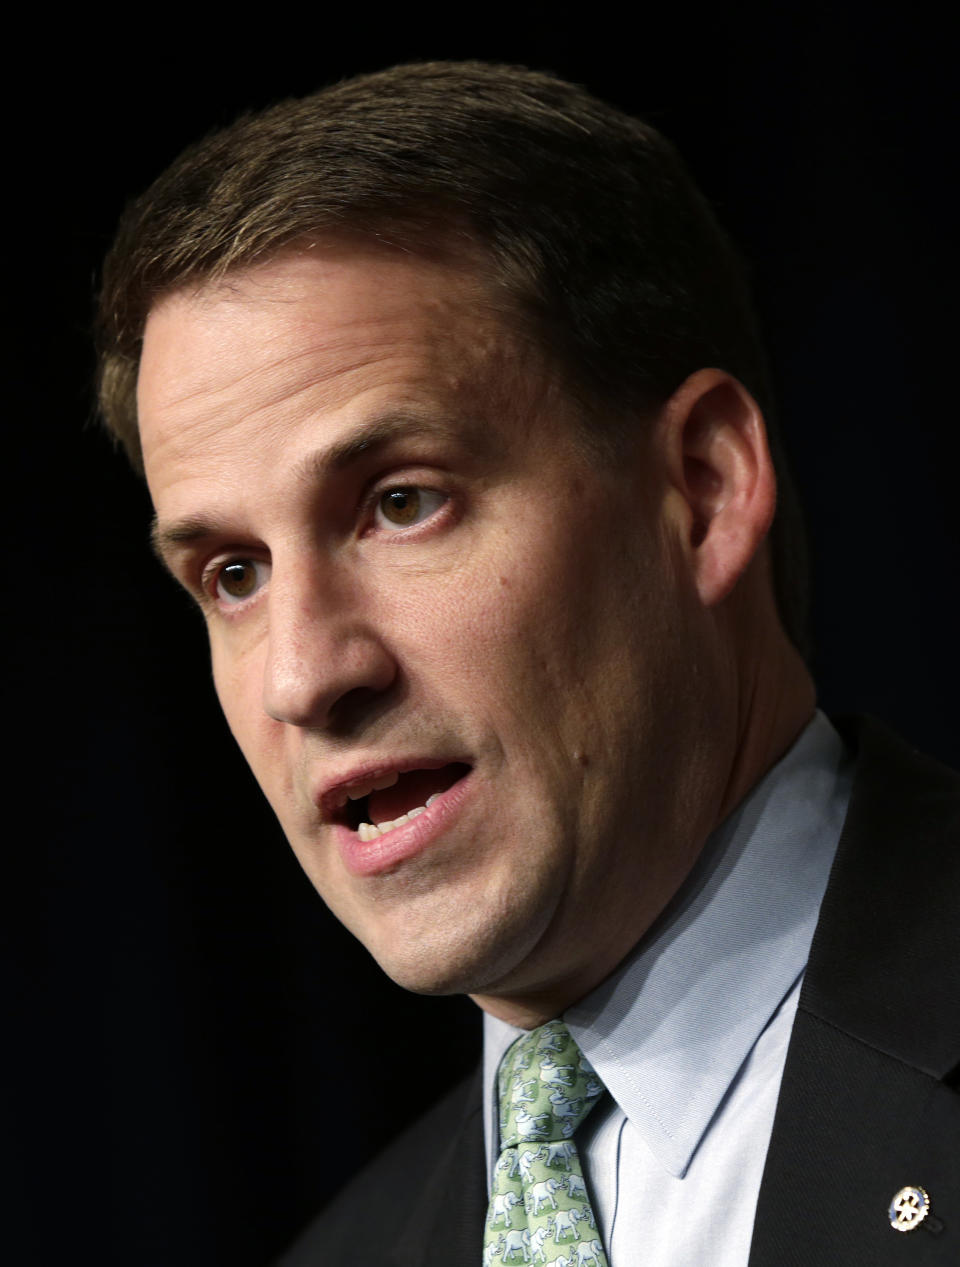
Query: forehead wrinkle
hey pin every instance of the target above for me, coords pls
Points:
(467, 357)
(202, 425)
(453, 355)
(326, 356)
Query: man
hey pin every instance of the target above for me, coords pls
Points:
(448, 393)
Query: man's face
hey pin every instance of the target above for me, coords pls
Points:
(420, 587)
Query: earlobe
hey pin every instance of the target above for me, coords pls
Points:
(719, 463)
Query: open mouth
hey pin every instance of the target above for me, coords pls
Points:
(373, 809)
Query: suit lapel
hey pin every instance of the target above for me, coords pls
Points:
(853, 1126)
(863, 1110)
(445, 1228)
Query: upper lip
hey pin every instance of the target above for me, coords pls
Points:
(331, 795)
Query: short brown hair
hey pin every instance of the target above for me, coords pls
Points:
(590, 220)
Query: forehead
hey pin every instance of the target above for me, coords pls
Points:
(320, 330)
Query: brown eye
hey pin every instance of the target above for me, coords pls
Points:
(237, 580)
(400, 506)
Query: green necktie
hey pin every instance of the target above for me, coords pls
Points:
(539, 1208)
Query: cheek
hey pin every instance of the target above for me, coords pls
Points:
(232, 690)
(523, 654)
(544, 618)
(238, 680)
(574, 652)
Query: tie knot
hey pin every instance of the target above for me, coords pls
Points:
(547, 1087)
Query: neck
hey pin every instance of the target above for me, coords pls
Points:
(775, 699)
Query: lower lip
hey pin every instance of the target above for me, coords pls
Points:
(375, 857)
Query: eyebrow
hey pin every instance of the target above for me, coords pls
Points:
(370, 437)
(164, 540)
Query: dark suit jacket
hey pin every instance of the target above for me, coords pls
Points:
(869, 1100)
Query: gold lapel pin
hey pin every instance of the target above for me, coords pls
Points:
(909, 1207)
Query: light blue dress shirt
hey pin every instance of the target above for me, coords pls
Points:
(690, 1035)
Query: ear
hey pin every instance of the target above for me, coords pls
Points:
(721, 478)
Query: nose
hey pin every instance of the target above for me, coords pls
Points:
(325, 660)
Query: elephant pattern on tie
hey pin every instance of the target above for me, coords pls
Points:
(511, 1244)
(530, 1127)
(564, 1225)
(556, 1075)
(557, 1155)
(525, 1165)
(590, 1254)
(537, 1241)
(569, 1110)
(524, 1092)
(553, 1040)
(576, 1188)
(538, 1194)
(540, 1209)
(501, 1207)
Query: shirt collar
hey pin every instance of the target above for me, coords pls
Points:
(669, 1030)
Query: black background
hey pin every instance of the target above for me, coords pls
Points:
(204, 1054)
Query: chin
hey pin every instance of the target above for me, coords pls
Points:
(456, 955)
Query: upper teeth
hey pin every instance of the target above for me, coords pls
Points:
(370, 831)
(357, 791)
